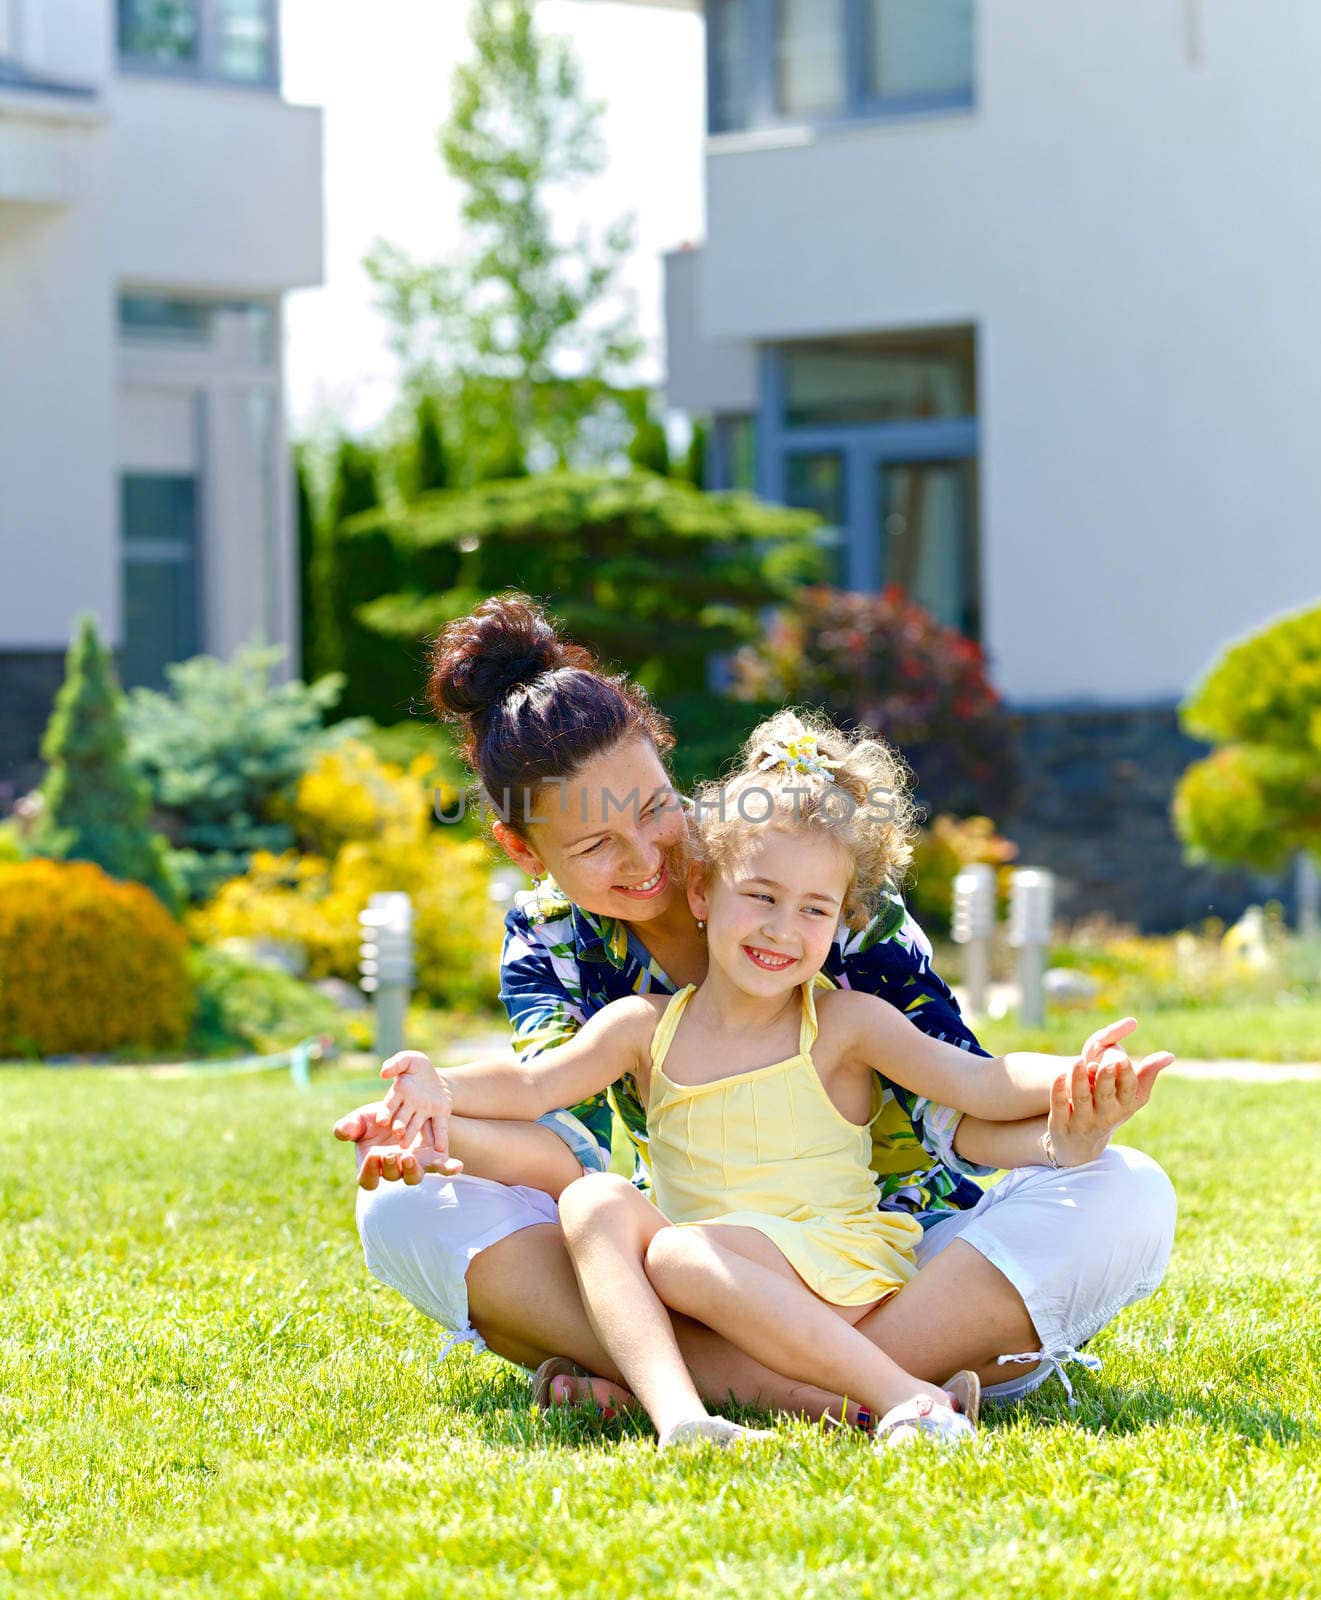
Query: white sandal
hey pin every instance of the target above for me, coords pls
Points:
(905, 1423)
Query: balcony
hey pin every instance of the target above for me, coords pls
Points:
(46, 128)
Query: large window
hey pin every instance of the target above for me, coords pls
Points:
(233, 40)
(788, 61)
(160, 574)
(809, 47)
(241, 330)
(878, 435)
(889, 379)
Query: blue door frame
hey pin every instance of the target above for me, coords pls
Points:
(863, 447)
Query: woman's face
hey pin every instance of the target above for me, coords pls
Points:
(607, 835)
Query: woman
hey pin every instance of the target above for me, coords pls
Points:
(1026, 1271)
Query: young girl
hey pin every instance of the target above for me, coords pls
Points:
(760, 1085)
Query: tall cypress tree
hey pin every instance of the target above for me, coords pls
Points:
(430, 462)
(96, 807)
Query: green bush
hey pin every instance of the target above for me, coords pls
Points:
(652, 574)
(244, 1008)
(221, 749)
(882, 661)
(1256, 799)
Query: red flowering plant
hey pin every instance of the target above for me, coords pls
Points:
(884, 661)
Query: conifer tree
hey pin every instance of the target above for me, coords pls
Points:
(95, 806)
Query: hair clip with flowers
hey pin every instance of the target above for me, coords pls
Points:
(799, 755)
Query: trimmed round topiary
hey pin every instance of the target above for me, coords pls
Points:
(88, 963)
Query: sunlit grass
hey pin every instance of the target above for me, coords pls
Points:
(202, 1392)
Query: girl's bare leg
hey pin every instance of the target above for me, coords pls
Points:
(608, 1226)
(737, 1282)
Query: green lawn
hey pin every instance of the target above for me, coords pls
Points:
(203, 1393)
(1287, 1030)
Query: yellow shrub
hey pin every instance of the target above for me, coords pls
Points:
(350, 794)
(373, 825)
(87, 963)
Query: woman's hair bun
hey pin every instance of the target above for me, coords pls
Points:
(504, 642)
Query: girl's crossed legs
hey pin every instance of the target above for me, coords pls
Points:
(631, 1264)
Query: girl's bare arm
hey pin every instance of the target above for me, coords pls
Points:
(1003, 1088)
(612, 1043)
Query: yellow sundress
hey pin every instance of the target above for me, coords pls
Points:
(767, 1149)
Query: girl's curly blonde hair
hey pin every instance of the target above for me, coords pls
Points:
(797, 770)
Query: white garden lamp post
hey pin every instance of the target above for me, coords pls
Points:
(1031, 911)
(973, 924)
(386, 965)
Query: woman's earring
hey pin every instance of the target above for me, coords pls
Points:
(701, 926)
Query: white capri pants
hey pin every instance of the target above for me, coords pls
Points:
(1079, 1245)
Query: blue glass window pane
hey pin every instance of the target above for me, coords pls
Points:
(891, 378)
(814, 481)
(164, 31)
(809, 38)
(154, 319)
(920, 47)
(245, 40)
(160, 603)
(729, 50)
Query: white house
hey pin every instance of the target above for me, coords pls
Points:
(1023, 296)
(157, 198)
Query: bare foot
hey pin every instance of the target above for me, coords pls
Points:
(610, 1399)
(718, 1431)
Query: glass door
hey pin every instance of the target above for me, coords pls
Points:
(927, 537)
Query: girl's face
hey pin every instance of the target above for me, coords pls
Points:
(771, 918)
(607, 835)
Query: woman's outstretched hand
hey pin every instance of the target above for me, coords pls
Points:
(1102, 1090)
(381, 1154)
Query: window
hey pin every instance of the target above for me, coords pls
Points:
(775, 61)
(160, 574)
(878, 435)
(241, 330)
(233, 40)
(889, 379)
(814, 481)
(244, 44)
(728, 57)
(809, 41)
(919, 47)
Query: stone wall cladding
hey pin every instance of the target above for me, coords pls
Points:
(1095, 808)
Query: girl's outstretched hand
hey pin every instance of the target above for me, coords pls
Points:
(1102, 1090)
(418, 1099)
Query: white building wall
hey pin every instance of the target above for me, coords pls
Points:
(1132, 219)
(58, 556)
(184, 188)
(216, 188)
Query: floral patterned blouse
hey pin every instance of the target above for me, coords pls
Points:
(560, 965)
